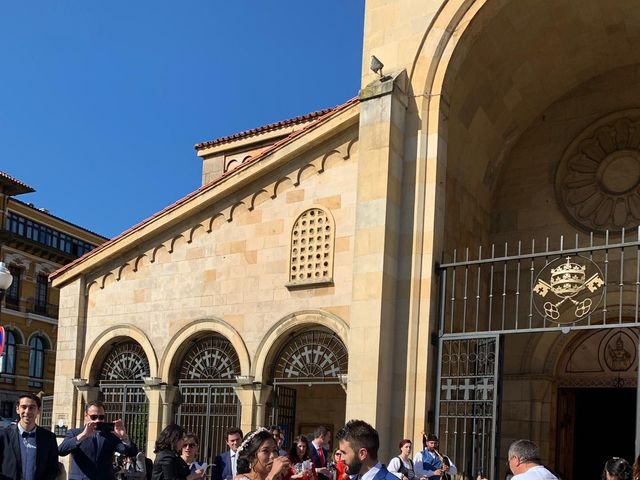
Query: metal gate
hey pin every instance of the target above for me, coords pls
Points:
(208, 411)
(121, 389)
(209, 405)
(128, 402)
(467, 406)
(592, 284)
(283, 411)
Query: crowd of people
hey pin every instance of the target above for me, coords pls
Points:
(28, 452)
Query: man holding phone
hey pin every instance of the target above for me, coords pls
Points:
(93, 446)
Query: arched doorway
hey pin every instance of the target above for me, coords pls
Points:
(309, 374)
(121, 382)
(206, 380)
(597, 384)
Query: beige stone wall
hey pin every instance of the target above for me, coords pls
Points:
(526, 204)
(224, 270)
(236, 273)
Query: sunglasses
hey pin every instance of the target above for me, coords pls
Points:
(190, 445)
(96, 417)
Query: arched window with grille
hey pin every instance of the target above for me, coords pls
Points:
(209, 404)
(312, 249)
(121, 383)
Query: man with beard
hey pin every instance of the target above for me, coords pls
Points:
(359, 443)
(430, 464)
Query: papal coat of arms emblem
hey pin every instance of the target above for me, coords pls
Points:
(572, 291)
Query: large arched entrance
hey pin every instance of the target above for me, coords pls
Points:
(208, 404)
(309, 375)
(533, 345)
(121, 385)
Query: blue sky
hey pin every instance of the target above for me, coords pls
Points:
(101, 103)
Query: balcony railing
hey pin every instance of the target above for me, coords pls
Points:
(29, 305)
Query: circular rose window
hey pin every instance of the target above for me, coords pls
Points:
(598, 179)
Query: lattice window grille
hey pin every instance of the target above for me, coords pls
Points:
(126, 362)
(315, 355)
(211, 360)
(312, 238)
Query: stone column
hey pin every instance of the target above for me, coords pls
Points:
(70, 351)
(253, 399)
(161, 397)
(375, 268)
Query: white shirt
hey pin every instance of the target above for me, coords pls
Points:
(373, 471)
(394, 466)
(234, 458)
(535, 473)
(420, 471)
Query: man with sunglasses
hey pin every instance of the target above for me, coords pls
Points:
(93, 446)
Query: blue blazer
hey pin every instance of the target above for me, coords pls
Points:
(313, 453)
(222, 467)
(11, 456)
(92, 459)
(430, 463)
(384, 474)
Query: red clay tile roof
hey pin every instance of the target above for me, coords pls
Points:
(265, 128)
(319, 120)
(13, 186)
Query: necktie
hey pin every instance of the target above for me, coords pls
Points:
(28, 434)
(321, 458)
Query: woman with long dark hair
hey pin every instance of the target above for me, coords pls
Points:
(169, 465)
(257, 457)
(617, 468)
(301, 464)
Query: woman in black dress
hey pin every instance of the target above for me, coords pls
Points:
(169, 465)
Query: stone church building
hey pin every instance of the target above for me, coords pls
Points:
(455, 250)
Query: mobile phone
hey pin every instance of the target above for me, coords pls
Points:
(105, 427)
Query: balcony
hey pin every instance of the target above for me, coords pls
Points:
(29, 305)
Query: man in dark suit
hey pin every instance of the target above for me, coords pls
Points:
(359, 443)
(93, 446)
(319, 452)
(225, 464)
(28, 452)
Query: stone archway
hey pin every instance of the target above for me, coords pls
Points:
(121, 377)
(306, 364)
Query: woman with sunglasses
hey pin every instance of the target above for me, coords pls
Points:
(169, 465)
(190, 450)
(339, 466)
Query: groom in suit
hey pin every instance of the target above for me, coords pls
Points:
(225, 463)
(93, 446)
(319, 452)
(359, 443)
(27, 451)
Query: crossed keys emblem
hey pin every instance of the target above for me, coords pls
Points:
(567, 282)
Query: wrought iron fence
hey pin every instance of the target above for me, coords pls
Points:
(128, 402)
(208, 410)
(505, 289)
